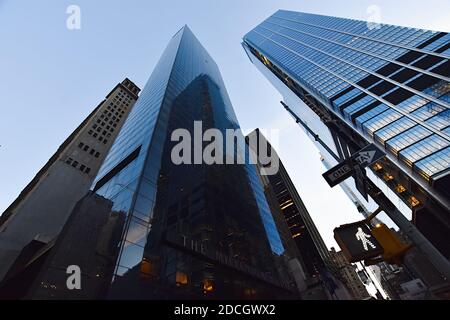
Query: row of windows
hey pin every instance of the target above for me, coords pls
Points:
(385, 123)
(99, 136)
(86, 148)
(77, 165)
(318, 78)
(344, 28)
(355, 60)
(116, 107)
(423, 149)
(104, 119)
(122, 97)
(341, 52)
(398, 73)
(105, 130)
(106, 124)
(402, 136)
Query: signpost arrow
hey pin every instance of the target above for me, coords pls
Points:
(368, 155)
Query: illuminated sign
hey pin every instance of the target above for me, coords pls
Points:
(357, 241)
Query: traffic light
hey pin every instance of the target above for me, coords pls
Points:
(357, 242)
(394, 248)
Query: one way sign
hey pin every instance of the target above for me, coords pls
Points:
(364, 157)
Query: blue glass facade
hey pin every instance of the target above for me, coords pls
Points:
(387, 84)
(220, 208)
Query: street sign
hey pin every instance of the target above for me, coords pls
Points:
(341, 172)
(368, 155)
(357, 242)
(364, 157)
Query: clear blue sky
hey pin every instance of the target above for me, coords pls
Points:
(51, 77)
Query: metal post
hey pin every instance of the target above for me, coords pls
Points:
(373, 215)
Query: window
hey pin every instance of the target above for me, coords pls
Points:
(69, 160)
(407, 138)
(97, 154)
(86, 148)
(91, 152)
(422, 149)
(87, 170)
(82, 167)
(75, 164)
(81, 145)
(433, 164)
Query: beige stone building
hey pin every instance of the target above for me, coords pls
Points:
(41, 209)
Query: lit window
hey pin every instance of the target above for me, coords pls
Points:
(181, 278)
(377, 167)
(207, 286)
(388, 177)
(413, 201)
(399, 188)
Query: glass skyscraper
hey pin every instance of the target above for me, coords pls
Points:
(353, 83)
(175, 231)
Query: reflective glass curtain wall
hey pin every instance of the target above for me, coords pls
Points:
(389, 84)
(219, 206)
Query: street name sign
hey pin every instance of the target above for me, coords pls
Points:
(344, 170)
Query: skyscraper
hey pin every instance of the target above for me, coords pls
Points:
(350, 83)
(302, 234)
(43, 207)
(175, 230)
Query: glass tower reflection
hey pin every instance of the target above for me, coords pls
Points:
(379, 83)
(186, 230)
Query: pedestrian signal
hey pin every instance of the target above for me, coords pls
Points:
(357, 242)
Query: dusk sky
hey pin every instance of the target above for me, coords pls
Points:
(51, 77)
